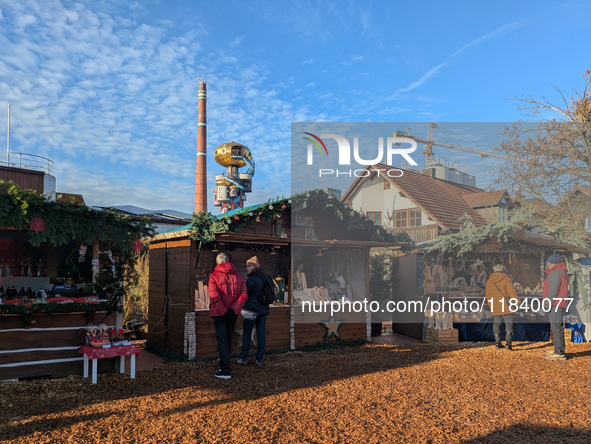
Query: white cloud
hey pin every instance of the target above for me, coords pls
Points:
(435, 69)
(237, 41)
(114, 103)
(418, 82)
(353, 59)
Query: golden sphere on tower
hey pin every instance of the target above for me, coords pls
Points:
(224, 152)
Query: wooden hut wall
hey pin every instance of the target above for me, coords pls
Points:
(172, 270)
(327, 225)
(263, 229)
(40, 345)
(410, 272)
(525, 269)
(353, 264)
(277, 326)
(277, 332)
(24, 178)
(310, 334)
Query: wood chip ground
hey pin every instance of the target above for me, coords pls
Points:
(419, 393)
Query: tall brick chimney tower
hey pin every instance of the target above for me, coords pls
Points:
(201, 175)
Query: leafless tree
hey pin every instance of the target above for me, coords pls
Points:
(555, 157)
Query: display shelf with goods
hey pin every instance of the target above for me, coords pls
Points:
(457, 267)
(64, 265)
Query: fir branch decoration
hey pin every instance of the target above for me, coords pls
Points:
(470, 237)
(64, 222)
(52, 307)
(205, 225)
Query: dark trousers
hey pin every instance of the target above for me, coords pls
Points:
(259, 323)
(556, 324)
(224, 333)
(498, 320)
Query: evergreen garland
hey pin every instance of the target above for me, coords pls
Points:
(204, 225)
(67, 221)
(470, 236)
(53, 307)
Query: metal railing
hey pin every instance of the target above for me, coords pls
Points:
(26, 162)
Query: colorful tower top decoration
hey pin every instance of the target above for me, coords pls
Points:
(231, 188)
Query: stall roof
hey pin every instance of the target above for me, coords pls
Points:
(335, 243)
(183, 231)
(272, 240)
(521, 235)
(545, 240)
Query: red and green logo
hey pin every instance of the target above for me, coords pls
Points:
(314, 142)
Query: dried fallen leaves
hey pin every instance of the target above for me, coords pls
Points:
(439, 393)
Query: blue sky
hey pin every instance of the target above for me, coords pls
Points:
(108, 90)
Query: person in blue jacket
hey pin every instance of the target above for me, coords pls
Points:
(254, 312)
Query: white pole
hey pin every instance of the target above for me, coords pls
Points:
(8, 138)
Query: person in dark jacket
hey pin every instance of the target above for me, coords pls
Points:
(227, 294)
(499, 292)
(556, 289)
(255, 312)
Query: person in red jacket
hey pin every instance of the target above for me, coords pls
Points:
(227, 294)
(556, 289)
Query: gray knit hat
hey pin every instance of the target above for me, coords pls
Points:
(554, 259)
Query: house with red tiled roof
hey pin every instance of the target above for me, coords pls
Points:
(576, 206)
(490, 204)
(68, 196)
(420, 204)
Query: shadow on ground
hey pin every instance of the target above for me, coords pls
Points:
(282, 373)
(530, 434)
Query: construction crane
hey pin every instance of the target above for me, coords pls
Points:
(428, 150)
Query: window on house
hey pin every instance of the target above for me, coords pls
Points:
(407, 218)
(386, 185)
(376, 216)
(414, 218)
(503, 214)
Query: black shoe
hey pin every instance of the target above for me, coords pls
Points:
(222, 375)
(498, 343)
(508, 340)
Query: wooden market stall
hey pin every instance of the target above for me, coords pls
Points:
(452, 272)
(178, 316)
(61, 264)
(283, 236)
